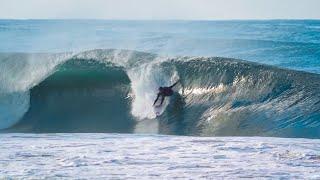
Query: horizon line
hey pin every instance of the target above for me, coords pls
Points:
(236, 19)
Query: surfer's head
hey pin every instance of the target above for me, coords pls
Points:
(160, 88)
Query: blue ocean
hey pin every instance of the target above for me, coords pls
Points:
(237, 78)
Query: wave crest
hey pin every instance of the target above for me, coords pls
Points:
(113, 91)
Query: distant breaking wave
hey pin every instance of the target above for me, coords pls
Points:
(110, 90)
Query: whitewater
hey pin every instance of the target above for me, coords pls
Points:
(119, 156)
(74, 85)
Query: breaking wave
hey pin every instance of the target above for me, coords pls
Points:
(110, 90)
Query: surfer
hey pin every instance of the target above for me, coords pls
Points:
(163, 92)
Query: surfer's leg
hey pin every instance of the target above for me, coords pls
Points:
(156, 99)
(162, 99)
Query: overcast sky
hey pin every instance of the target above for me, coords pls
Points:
(160, 9)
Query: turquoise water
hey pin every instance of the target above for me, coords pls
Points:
(102, 76)
(286, 43)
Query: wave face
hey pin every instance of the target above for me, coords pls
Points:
(113, 91)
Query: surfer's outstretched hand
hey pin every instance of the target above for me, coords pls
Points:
(175, 83)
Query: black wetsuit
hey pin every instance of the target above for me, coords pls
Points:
(163, 92)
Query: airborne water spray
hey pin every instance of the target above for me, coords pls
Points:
(145, 81)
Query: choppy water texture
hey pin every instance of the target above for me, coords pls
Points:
(106, 156)
(74, 76)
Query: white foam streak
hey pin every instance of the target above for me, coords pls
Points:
(200, 91)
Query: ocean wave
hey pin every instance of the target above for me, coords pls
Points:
(112, 90)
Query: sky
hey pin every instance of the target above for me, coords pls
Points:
(160, 9)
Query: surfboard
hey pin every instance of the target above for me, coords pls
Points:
(157, 110)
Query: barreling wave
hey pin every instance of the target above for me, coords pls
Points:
(113, 91)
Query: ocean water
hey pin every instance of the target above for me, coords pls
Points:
(123, 156)
(238, 78)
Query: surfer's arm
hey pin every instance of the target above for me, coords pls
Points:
(156, 99)
(174, 84)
